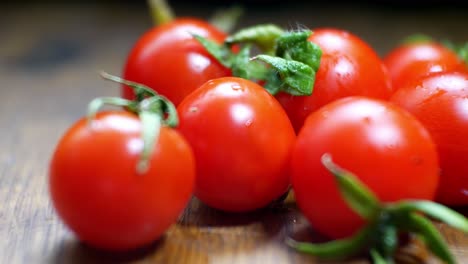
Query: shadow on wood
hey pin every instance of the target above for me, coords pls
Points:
(75, 252)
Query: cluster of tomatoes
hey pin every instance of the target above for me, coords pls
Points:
(398, 123)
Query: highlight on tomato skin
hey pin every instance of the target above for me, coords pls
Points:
(242, 139)
(169, 60)
(410, 61)
(97, 192)
(349, 67)
(440, 102)
(387, 148)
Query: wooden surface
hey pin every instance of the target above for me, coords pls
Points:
(49, 58)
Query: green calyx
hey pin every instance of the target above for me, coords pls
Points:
(462, 52)
(153, 110)
(417, 38)
(385, 222)
(460, 49)
(263, 36)
(287, 62)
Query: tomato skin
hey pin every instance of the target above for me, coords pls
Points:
(169, 60)
(242, 140)
(99, 195)
(411, 61)
(384, 146)
(440, 102)
(348, 66)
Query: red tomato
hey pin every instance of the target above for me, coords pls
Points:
(242, 140)
(383, 145)
(348, 66)
(169, 60)
(440, 102)
(414, 60)
(98, 193)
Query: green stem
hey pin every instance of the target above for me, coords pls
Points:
(151, 128)
(381, 233)
(141, 91)
(226, 19)
(160, 11)
(163, 107)
(150, 112)
(434, 210)
(386, 236)
(149, 100)
(153, 110)
(416, 223)
(98, 103)
(360, 198)
(336, 249)
(377, 258)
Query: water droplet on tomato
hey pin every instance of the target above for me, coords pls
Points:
(248, 122)
(391, 146)
(416, 160)
(236, 87)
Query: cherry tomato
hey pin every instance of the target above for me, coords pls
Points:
(348, 66)
(98, 193)
(242, 140)
(413, 60)
(169, 60)
(440, 102)
(384, 146)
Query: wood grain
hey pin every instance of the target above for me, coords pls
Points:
(49, 58)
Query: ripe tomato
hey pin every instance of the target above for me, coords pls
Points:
(348, 66)
(440, 102)
(384, 146)
(242, 140)
(98, 193)
(170, 61)
(413, 60)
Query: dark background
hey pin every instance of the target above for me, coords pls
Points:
(382, 23)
